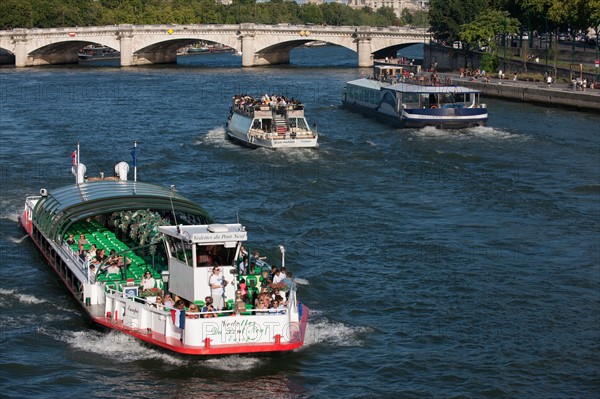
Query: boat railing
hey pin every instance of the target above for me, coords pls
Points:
(419, 80)
(204, 315)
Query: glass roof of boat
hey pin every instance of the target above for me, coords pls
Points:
(410, 88)
(62, 207)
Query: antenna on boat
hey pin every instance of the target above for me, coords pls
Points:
(237, 216)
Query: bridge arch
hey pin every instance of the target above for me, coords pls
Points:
(65, 52)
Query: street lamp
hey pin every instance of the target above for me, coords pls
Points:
(597, 59)
(548, 38)
(504, 43)
(164, 276)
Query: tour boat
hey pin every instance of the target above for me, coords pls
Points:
(155, 230)
(271, 121)
(91, 53)
(405, 99)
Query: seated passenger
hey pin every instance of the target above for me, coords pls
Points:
(168, 301)
(113, 269)
(71, 239)
(82, 239)
(159, 303)
(92, 252)
(101, 256)
(148, 281)
(82, 253)
(278, 277)
(208, 308)
(193, 309)
(92, 274)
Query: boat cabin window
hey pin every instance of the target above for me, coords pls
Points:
(211, 255)
(180, 249)
(410, 98)
(299, 123)
(363, 94)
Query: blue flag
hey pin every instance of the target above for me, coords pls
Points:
(134, 156)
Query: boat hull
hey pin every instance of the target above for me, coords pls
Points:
(440, 118)
(238, 128)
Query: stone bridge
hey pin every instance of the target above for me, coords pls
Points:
(152, 44)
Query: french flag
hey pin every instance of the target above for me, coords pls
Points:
(178, 317)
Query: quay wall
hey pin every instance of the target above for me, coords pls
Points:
(588, 100)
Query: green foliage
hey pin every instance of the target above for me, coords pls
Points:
(489, 62)
(487, 26)
(58, 13)
(447, 16)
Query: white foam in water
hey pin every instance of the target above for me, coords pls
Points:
(233, 363)
(119, 347)
(13, 216)
(336, 333)
(15, 240)
(215, 137)
(23, 298)
(479, 132)
(300, 281)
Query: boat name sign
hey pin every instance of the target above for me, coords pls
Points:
(220, 237)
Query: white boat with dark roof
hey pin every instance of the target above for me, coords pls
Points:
(407, 100)
(271, 122)
(159, 241)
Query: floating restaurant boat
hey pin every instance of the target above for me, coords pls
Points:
(396, 96)
(161, 241)
(271, 122)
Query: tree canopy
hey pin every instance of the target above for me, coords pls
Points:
(57, 13)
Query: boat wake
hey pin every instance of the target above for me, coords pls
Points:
(117, 346)
(300, 281)
(17, 240)
(233, 363)
(320, 330)
(23, 298)
(215, 137)
(479, 132)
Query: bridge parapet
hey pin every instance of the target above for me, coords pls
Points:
(260, 44)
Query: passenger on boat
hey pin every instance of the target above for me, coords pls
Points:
(277, 277)
(82, 253)
(244, 266)
(113, 269)
(82, 239)
(193, 309)
(208, 308)
(71, 239)
(101, 256)
(217, 282)
(158, 303)
(168, 301)
(289, 281)
(92, 252)
(243, 289)
(148, 281)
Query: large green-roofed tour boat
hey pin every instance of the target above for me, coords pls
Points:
(149, 262)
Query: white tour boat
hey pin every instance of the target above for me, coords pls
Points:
(404, 99)
(155, 230)
(271, 122)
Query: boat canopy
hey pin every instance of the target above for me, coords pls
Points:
(56, 211)
(409, 87)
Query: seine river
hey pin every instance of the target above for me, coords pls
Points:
(436, 263)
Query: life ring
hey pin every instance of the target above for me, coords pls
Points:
(433, 106)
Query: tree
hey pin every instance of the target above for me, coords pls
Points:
(446, 16)
(487, 26)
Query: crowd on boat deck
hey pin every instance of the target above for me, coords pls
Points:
(270, 298)
(278, 102)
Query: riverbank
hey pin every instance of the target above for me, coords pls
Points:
(557, 94)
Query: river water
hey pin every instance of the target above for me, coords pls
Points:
(436, 263)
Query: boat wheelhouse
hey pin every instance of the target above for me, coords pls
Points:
(408, 100)
(151, 229)
(270, 122)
